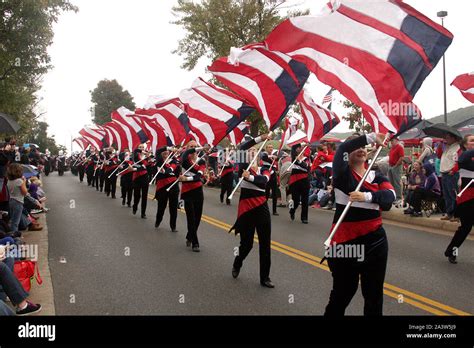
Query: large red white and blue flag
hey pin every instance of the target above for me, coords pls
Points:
(170, 115)
(465, 83)
(213, 110)
(269, 81)
(238, 133)
(376, 53)
(318, 121)
(95, 136)
(134, 133)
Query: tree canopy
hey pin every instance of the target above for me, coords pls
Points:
(26, 32)
(107, 97)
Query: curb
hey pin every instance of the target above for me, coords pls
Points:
(42, 294)
(431, 222)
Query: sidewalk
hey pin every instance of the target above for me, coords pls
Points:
(434, 221)
(42, 294)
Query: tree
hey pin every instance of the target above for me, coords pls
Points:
(26, 32)
(214, 26)
(107, 97)
(355, 118)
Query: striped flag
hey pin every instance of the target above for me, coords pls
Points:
(318, 121)
(82, 142)
(270, 81)
(212, 110)
(328, 97)
(95, 136)
(238, 133)
(133, 130)
(465, 83)
(155, 133)
(170, 115)
(376, 53)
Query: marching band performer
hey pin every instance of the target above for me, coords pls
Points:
(92, 158)
(465, 201)
(81, 167)
(192, 192)
(126, 182)
(110, 166)
(269, 161)
(299, 182)
(362, 227)
(167, 176)
(140, 180)
(253, 214)
(227, 178)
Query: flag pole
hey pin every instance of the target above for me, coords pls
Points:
(327, 243)
(248, 168)
(164, 163)
(186, 171)
(226, 158)
(123, 171)
(116, 169)
(293, 163)
(464, 189)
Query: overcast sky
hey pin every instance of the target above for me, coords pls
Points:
(131, 41)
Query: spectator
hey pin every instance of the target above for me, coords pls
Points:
(430, 191)
(416, 180)
(16, 293)
(395, 159)
(449, 173)
(427, 152)
(17, 190)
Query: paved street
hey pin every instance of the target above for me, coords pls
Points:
(119, 264)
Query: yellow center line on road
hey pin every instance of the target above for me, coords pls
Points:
(416, 300)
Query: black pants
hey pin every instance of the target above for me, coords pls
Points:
(273, 187)
(193, 208)
(98, 180)
(140, 191)
(300, 192)
(81, 173)
(110, 184)
(126, 188)
(421, 194)
(465, 213)
(90, 176)
(163, 196)
(259, 220)
(346, 273)
(227, 183)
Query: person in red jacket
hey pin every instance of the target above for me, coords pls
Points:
(395, 161)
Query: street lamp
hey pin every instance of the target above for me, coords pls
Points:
(442, 15)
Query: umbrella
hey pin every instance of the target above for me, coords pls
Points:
(29, 171)
(7, 124)
(439, 130)
(416, 132)
(465, 127)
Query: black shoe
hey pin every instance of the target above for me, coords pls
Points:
(452, 259)
(173, 229)
(157, 225)
(113, 197)
(188, 243)
(292, 215)
(416, 214)
(143, 216)
(196, 248)
(129, 205)
(123, 202)
(276, 214)
(267, 283)
(235, 272)
(408, 211)
(227, 201)
(304, 221)
(222, 200)
(108, 193)
(134, 211)
(30, 309)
